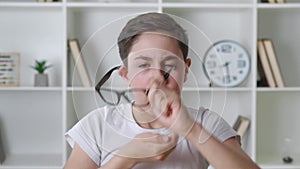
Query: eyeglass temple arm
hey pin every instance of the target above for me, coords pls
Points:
(105, 78)
(167, 74)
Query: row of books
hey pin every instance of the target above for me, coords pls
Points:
(269, 72)
(273, 1)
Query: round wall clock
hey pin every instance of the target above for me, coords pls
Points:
(226, 64)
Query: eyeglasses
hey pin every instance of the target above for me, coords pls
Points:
(113, 97)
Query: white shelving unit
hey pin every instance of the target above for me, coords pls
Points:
(33, 120)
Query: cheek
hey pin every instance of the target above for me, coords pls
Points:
(176, 81)
(139, 79)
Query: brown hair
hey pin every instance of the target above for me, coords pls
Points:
(151, 22)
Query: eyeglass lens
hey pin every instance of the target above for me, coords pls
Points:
(113, 97)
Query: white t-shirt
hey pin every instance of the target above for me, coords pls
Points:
(103, 131)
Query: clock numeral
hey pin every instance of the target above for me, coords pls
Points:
(226, 79)
(226, 48)
(211, 64)
(241, 63)
(212, 56)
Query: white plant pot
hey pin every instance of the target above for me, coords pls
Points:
(41, 80)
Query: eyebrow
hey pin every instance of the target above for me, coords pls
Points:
(170, 57)
(143, 58)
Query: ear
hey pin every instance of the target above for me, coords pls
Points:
(123, 72)
(188, 63)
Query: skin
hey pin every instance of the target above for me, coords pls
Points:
(150, 57)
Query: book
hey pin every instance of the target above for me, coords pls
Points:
(241, 125)
(9, 69)
(79, 62)
(261, 77)
(2, 153)
(273, 62)
(264, 61)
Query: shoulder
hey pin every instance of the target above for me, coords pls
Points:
(213, 123)
(197, 114)
(106, 113)
(204, 115)
(94, 123)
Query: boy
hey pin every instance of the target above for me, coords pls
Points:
(156, 130)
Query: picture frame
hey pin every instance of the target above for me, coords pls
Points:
(9, 69)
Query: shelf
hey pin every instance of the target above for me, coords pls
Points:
(35, 118)
(286, 89)
(271, 161)
(217, 89)
(35, 33)
(212, 1)
(31, 4)
(277, 119)
(272, 24)
(185, 89)
(278, 6)
(70, 89)
(110, 5)
(33, 161)
(206, 5)
(32, 89)
(112, 1)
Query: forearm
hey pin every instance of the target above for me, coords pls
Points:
(217, 153)
(118, 162)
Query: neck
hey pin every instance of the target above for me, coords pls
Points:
(144, 118)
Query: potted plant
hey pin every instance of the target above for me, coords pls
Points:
(40, 79)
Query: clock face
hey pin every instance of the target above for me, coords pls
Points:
(226, 64)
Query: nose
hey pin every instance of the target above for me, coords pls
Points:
(157, 74)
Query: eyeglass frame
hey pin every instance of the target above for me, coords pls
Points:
(121, 93)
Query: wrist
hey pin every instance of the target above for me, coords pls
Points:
(120, 162)
(194, 132)
(185, 123)
(198, 134)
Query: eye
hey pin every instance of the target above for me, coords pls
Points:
(167, 67)
(144, 65)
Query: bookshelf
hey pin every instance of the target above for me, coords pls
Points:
(34, 119)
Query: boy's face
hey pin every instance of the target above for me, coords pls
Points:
(150, 57)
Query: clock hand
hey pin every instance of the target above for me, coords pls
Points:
(226, 64)
(227, 75)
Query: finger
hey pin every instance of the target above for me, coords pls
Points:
(158, 101)
(169, 139)
(174, 138)
(154, 138)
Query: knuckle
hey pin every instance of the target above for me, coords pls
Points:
(159, 158)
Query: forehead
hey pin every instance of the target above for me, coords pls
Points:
(155, 44)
